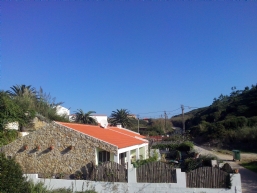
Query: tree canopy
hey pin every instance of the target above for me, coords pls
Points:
(85, 118)
(22, 103)
(121, 116)
(22, 90)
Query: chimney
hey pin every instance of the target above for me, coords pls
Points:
(118, 125)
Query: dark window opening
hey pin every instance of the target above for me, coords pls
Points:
(122, 158)
(104, 156)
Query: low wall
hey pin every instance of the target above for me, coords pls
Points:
(133, 187)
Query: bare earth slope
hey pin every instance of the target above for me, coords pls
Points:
(248, 178)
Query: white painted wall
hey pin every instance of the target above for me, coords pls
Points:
(131, 151)
(99, 118)
(132, 186)
(60, 110)
(24, 133)
(12, 126)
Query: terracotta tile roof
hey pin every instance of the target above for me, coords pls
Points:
(110, 135)
(126, 132)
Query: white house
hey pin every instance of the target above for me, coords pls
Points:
(60, 110)
(98, 117)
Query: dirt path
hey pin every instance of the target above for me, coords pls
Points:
(248, 178)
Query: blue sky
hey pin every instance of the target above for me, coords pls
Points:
(144, 56)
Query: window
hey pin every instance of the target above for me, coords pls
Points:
(122, 158)
(104, 156)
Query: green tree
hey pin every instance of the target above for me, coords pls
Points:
(25, 97)
(22, 90)
(122, 117)
(46, 106)
(33, 102)
(85, 118)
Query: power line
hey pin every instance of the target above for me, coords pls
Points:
(167, 112)
(174, 110)
(157, 112)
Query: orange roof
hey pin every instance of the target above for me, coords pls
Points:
(113, 135)
(126, 132)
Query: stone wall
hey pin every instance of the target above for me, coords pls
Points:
(37, 123)
(39, 158)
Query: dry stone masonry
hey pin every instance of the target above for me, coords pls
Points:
(55, 149)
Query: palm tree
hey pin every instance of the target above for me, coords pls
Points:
(21, 91)
(85, 118)
(122, 117)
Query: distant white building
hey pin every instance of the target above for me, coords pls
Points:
(62, 111)
(98, 118)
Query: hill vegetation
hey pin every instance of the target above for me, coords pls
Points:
(229, 121)
(21, 104)
(152, 127)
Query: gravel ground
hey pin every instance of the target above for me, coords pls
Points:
(248, 178)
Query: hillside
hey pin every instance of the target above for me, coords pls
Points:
(228, 121)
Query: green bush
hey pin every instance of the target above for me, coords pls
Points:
(139, 163)
(185, 146)
(192, 164)
(12, 180)
(11, 177)
(252, 121)
(164, 146)
(36, 188)
(7, 136)
(206, 159)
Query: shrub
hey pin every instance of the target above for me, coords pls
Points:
(252, 121)
(185, 146)
(139, 163)
(11, 176)
(164, 146)
(206, 159)
(192, 164)
(7, 136)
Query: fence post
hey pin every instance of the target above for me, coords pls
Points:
(128, 159)
(236, 183)
(181, 178)
(132, 175)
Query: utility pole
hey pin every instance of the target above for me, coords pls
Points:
(165, 117)
(183, 120)
(138, 123)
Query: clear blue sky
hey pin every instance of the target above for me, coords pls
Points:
(145, 56)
